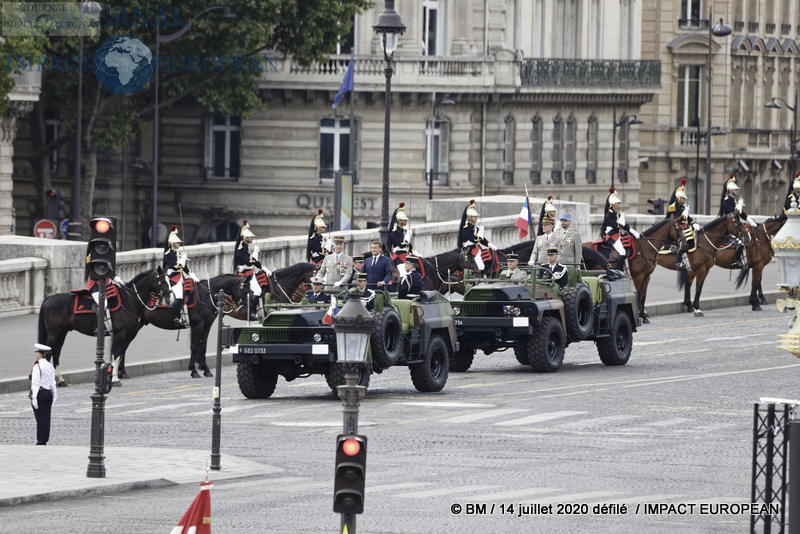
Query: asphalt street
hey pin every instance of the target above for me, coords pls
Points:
(673, 426)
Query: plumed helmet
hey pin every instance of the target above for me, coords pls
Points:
(796, 183)
(731, 184)
(548, 205)
(471, 210)
(614, 198)
(680, 191)
(246, 231)
(173, 236)
(319, 221)
(400, 214)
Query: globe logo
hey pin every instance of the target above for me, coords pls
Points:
(44, 24)
(123, 64)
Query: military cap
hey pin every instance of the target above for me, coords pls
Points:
(338, 239)
(512, 256)
(552, 250)
(361, 276)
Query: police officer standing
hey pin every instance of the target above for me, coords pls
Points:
(43, 391)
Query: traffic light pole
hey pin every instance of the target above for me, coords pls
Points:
(351, 395)
(97, 468)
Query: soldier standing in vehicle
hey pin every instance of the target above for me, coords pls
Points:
(318, 247)
(543, 242)
(367, 295)
(337, 267)
(513, 272)
(412, 283)
(471, 239)
(569, 242)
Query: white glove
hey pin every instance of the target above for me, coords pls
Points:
(266, 270)
(531, 262)
(337, 283)
(696, 227)
(118, 280)
(621, 220)
(608, 229)
(751, 222)
(635, 234)
(35, 403)
(739, 205)
(408, 234)
(686, 211)
(480, 231)
(194, 277)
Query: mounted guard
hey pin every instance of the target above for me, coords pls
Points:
(175, 265)
(246, 264)
(548, 210)
(731, 201)
(678, 209)
(400, 242)
(471, 239)
(613, 224)
(318, 245)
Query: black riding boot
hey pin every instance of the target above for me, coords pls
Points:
(737, 262)
(254, 308)
(178, 319)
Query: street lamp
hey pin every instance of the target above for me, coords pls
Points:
(353, 326)
(716, 130)
(622, 120)
(389, 27)
(228, 15)
(74, 225)
(445, 101)
(773, 104)
(717, 30)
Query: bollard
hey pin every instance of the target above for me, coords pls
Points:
(216, 419)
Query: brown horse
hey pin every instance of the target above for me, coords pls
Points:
(759, 254)
(711, 241)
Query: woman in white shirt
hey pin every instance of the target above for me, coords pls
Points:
(43, 391)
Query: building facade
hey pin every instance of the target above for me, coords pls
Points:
(757, 62)
(488, 96)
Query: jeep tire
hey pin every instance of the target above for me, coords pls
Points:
(256, 381)
(334, 376)
(521, 352)
(462, 359)
(578, 312)
(546, 347)
(616, 348)
(386, 341)
(431, 374)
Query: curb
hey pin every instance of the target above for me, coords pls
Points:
(710, 303)
(88, 492)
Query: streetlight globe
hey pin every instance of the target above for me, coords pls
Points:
(721, 29)
(389, 26)
(635, 120)
(772, 104)
(389, 41)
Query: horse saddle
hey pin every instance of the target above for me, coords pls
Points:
(261, 277)
(83, 303)
(628, 242)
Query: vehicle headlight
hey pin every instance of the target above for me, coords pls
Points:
(456, 310)
(317, 338)
(255, 337)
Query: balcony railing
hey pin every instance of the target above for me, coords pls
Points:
(770, 27)
(693, 24)
(538, 72)
(752, 27)
(786, 29)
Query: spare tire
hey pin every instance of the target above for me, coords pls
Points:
(578, 312)
(386, 341)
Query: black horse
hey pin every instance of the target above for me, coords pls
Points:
(285, 285)
(57, 315)
(439, 271)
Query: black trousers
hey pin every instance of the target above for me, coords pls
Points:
(42, 414)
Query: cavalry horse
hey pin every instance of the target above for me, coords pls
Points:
(62, 312)
(285, 285)
(710, 242)
(759, 254)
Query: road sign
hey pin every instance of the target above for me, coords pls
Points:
(45, 228)
(64, 227)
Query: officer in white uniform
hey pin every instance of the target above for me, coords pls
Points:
(43, 391)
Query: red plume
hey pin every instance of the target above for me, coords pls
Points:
(611, 189)
(550, 197)
(244, 222)
(402, 204)
(732, 176)
(472, 202)
(173, 228)
(319, 212)
(683, 181)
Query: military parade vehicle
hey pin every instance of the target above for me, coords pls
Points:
(293, 341)
(538, 319)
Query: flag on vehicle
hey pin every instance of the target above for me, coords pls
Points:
(197, 519)
(524, 218)
(346, 87)
(331, 313)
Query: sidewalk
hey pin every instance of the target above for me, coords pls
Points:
(127, 468)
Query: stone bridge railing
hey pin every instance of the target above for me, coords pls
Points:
(21, 285)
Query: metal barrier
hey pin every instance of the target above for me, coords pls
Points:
(770, 462)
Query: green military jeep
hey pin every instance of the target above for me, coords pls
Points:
(293, 341)
(538, 319)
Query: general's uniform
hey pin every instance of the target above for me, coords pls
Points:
(569, 245)
(539, 252)
(43, 394)
(336, 269)
(410, 285)
(517, 275)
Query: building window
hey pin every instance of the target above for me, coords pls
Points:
(508, 150)
(433, 28)
(558, 150)
(688, 96)
(690, 12)
(566, 23)
(334, 147)
(624, 144)
(569, 150)
(51, 127)
(223, 158)
(591, 151)
(536, 151)
(436, 154)
(345, 43)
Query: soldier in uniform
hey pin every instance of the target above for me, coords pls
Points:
(556, 269)
(678, 209)
(358, 264)
(337, 267)
(569, 242)
(400, 239)
(411, 284)
(175, 265)
(470, 236)
(246, 263)
(613, 223)
(316, 294)
(367, 295)
(513, 272)
(318, 247)
(548, 210)
(543, 242)
(794, 196)
(730, 203)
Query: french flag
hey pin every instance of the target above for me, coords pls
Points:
(524, 218)
(331, 313)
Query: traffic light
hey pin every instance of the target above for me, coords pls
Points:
(658, 206)
(101, 253)
(54, 204)
(106, 375)
(351, 467)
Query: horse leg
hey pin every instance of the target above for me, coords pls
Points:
(642, 298)
(687, 295)
(698, 288)
(56, 342)
(193, 348)
(755, 300)
(203, 347)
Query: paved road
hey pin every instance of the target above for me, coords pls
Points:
(673, 426)
(154, 344)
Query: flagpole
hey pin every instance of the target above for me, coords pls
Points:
(530, 219)
(352, 143)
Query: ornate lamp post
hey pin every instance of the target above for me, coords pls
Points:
(717, 30)
(389, 27)
(622, 120)
(773, 104)
(786, 245)
(353, 326)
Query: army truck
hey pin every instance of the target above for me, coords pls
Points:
(293, 341)
(539, 319)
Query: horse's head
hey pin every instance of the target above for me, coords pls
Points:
(159, 284)
(675, 233)
(735, 226)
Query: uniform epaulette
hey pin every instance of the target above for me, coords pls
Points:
(671, 208)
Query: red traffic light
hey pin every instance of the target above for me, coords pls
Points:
(102, 226)
(351, 447)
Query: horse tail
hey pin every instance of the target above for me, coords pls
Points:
(42, 332)
(683, 279)
(741, 278)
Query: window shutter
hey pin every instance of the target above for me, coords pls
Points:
(207, 170)
(444, 150)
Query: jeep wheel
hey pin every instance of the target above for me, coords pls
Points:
(578, 311)
(521, 352)
(386, 340)
(546, 348)
(335, 375)
(431, 374)
(462, 359)
(616, 348)
(256, 381)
